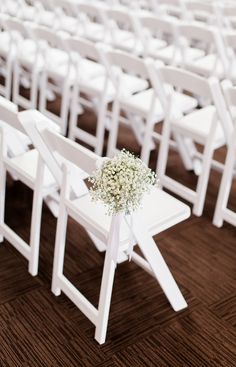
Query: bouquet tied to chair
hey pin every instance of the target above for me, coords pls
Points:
(120, 183)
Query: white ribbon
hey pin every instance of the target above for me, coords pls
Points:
(132, 240)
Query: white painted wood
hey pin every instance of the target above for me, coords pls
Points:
(112, 231)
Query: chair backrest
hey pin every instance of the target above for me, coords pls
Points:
(230, 97)
(127, 63)
(15, 25)
(209, 37)
(84, 48)
(47, 4)
(54, 148)
(69, 150)
(92, 9)
(66, 7)
(201, 10)
(8, 114)
(197, 32)
(184, 80)
(157, 25)
(16, 140)
(124, 20)
(50, 37)
(230, 43)
(29, 121)
(199, 86)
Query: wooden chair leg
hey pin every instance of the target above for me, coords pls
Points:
(36, 220)
(203, 180)
(59, 251)
(2, 197)
(158, 265)
(225, 186)
(107, 280)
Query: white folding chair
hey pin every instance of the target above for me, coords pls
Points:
(156, 30)
(139, 104)
(26, 66)
(66, 16)
(202, 11)
(172, 54)
(7, 50)
(125, 30)
(113, 231)
(57, 74)
(230, 47)
(222, 211)
(143, 107)
(29, 169)
(94, 91)
(174, 8)
(228, 15)
(46, 17)
(92, 18)
(207, 126)
(208, 40)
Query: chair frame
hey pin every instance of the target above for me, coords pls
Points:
(154, 263)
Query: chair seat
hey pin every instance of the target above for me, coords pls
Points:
(140, 103)
(171, 54)
(68, 24)
(27, 54)
(94, 31)
(198, 124)
(27, 163)
(88, 69)
(132, 84)
(206, 66)
(4, 43)
(28, 13)
(131, 44)
(95, 87)
(159, 212)
(155, 44)
(46, 18)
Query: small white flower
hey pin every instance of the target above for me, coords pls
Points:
(121, 182)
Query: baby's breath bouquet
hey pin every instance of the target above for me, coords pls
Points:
(121, 182)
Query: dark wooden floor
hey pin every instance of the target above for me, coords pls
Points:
(38, 329)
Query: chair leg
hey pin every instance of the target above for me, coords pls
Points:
(225, 186)
(158, 265)
(2, 197)
(163, 150)
(59, 251)
(101, 127)
(114, 129)
(16, 84)
(65, 107)
(34, 89)
(8, 80)
(35, 231)
(73, 112)
(43, 93)
(105, 298)
(203, 180)
(147, 143)
(108, 279)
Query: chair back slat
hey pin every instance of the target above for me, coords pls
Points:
(29, 120)
(127, 62)
(70, 151)
(185, 80)
(197, 32)
(8, 114)
(84, 48)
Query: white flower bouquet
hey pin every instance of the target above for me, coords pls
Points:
(121, 182)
